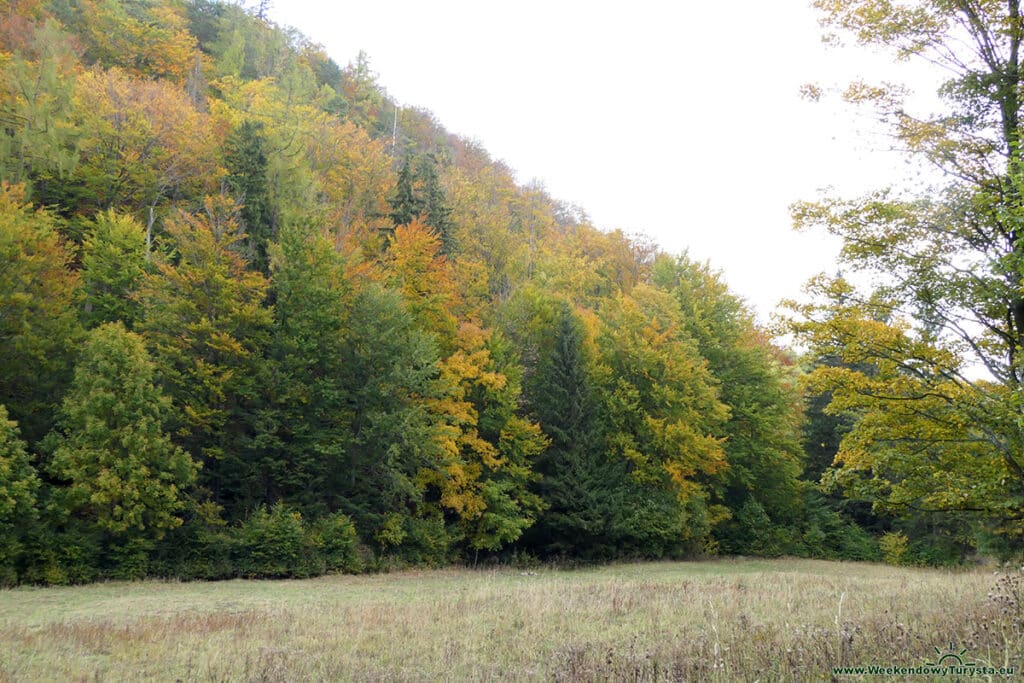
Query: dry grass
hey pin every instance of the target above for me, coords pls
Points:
(730, 620)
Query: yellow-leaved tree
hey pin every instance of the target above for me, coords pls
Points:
(929, 359)
(488, 446)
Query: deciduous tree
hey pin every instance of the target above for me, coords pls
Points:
(114, 260)
(944, 326)
(147, 39)
(762, 434)
(141, 143)
(38, 326)
(19, 485)
(665, 420)
(206, 325)
(122, 471)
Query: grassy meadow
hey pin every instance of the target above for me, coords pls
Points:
(724, 620)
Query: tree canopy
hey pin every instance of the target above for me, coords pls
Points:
(929, 355)
(251, 327)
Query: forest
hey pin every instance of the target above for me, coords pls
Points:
(256, 320)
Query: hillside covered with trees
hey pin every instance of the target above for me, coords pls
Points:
(256, 322)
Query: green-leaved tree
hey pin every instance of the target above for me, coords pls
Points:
(940, 417)
(19, 485)
(122, 471)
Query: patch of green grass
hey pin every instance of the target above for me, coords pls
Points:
(717, 620)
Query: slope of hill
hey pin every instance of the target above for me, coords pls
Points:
(254, 328)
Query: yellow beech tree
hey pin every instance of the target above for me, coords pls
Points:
(488, 447)
(149, 40)
(141, 143)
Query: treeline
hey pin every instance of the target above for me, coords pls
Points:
(244, 331)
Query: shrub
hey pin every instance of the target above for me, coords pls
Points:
(813, 542)
(427, 542)
(894, 547)
(854, 543)
(750, 531)
(934, 551)
(275, 545)
(201, 549)
(60, 557)
(129, 558)
(337, 544)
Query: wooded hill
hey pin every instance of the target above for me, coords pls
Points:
(246, 331)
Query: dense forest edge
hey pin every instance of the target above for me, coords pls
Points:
(257, 321)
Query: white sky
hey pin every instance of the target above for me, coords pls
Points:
(679, 120)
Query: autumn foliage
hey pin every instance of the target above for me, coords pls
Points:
(246, 332)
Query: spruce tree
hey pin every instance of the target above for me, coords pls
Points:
(302, 452)
(436, 210)
(405, 205)
(576, 482)
(245, 157)
(391, 374)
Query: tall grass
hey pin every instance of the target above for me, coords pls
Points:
(729, 620)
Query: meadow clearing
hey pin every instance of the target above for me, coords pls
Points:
(723, 620)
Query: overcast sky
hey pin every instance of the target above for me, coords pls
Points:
(679, 120)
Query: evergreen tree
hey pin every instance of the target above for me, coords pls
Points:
(576, 482)
(395, 451)
(418, 194)
(302, 453)
(822, 433)
(246, 160)
(405, 204)
(437, 212)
